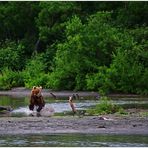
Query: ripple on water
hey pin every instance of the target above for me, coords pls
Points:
(74, 140)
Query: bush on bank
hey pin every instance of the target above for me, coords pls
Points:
(105, 106)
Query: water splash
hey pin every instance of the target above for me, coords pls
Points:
(24, 111)
(47, 111)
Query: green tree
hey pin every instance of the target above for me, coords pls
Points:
(132, 14)
(87, 47)
(67, 59)
(34, 74)
(52, 18)
(12, 55)
(17, 19)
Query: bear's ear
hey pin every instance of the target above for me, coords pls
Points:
(34, 87)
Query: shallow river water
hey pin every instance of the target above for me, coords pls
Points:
(20, 106)
(74, 140)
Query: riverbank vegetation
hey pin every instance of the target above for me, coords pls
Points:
(99, 46)
(106, 106)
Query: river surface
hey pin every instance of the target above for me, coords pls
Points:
(74, 140)
(20, 106)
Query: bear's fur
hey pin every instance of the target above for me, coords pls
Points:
(36, 99)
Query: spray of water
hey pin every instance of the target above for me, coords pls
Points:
(24, 111)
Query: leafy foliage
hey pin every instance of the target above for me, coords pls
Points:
(105, 106)
(11, 55)
(9, 79)
(75, 46)
(34, 73)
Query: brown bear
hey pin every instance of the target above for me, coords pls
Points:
(36, 99)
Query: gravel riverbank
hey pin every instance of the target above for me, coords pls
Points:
(70, 124)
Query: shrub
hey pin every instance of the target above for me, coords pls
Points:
(12, 55)
(101, 80)
(9, 79)
(104, 107)
(34, 72)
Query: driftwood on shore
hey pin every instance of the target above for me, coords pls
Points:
(53, 95)
(5, 108)
(75, 96)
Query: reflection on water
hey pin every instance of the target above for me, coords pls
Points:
(74, 140)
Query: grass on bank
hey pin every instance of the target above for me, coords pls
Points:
(105, 106)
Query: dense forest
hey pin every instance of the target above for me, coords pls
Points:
(75, 45)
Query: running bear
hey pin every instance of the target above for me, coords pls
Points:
(36, 99)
